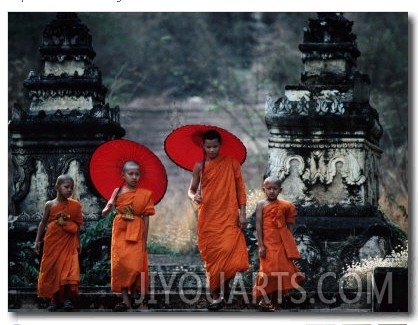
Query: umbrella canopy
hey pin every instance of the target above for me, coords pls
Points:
(108, 159)
(184, 145)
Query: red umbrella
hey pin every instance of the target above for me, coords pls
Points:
(184, 145)
(106, 168)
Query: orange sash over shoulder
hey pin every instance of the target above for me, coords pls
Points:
(277, 271)
(59, 264)
(221, 242)
(129, 258)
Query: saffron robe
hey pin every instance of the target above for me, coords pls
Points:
(221, 241)
(277, 270)
(129, 257)
(59, 263)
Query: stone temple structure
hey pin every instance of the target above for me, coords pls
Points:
(324, 145)
(66, 121)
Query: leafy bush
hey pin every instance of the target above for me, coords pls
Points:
(24, 268)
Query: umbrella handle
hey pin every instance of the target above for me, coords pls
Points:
(199, 189)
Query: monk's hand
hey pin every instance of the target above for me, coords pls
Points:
(197, 198)
(242, 223)
(109, 205)
(108, 208)
(36, 248)
(262, 251)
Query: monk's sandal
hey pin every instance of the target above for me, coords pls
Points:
(216, 305)
(68, 305)
(263, 306)
(53, 306)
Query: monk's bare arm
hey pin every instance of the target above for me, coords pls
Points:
(194, 184)
(259, 228)
(110, 204)
(240, 186)
(41, 227)
(243, 216)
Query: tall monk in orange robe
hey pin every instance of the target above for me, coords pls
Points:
(218, 187)
(277, 247)
(59, 274)
(129, 257)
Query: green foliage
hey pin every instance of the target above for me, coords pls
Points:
(101, 229)
(98, 274)
(95, 255)
(24, 267)
(156, 247)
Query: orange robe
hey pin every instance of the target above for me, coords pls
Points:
(59, 264)
(277, 271)
(129, 257)
(221, 242)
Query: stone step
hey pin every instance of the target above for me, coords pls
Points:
(178, 283)
(101, 300)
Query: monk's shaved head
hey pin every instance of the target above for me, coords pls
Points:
(273, 179)
(130, 164)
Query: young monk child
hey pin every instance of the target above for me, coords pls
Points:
(129, 258)
(277, 248)
(59, 274)
(218, 187)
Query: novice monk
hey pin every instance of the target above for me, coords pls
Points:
(59, 273)
(218, 187)
(129, 257)
(277, 248)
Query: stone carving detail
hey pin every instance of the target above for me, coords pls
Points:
(105, 111)
(304, 107)
(350, 171)
(66, 37)
(23, 168)
(329, 37)
(279, 163)
(320, 167)
(313, 173)
(87, 84)
(97, 112)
